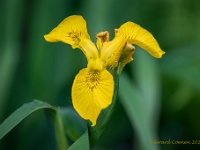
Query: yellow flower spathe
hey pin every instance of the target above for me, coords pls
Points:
(93, 87)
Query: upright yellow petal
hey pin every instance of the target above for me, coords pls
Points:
(89, 49)
(135, 34)
(92, 91)
(72, 30)
(112, 51)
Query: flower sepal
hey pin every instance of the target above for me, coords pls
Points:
(104, 117)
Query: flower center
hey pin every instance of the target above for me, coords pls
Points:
(95, 65)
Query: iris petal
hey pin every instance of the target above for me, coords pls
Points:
(112, 51)
(72, 30)
(135, 34)
(69, 31)
(92, 91)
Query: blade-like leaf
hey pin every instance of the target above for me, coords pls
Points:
(148, 81)
(81, 143)
(136, 109)
(24, 111)
(18, 115)
(73, 124)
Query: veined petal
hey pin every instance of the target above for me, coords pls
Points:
(89, 49)
(135, 34)
(92, 91)
(72, 30)
(112, 51)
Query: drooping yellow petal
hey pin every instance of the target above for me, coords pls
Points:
(135, 34)
(92, 91)
(72, 30)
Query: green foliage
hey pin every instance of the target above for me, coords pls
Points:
(158, 99)
(81, 143)
(142, 102)
(24, 111)
(21, 113)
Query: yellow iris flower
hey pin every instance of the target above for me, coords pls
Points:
(93, 87)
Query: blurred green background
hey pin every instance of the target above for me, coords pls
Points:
(166, 91)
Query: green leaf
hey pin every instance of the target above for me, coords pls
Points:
(17, 116)
(74, 125)
(148, 81)
(59, 130)
(136, 109)
(25, 110)
(141, 100)
(81, 143)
